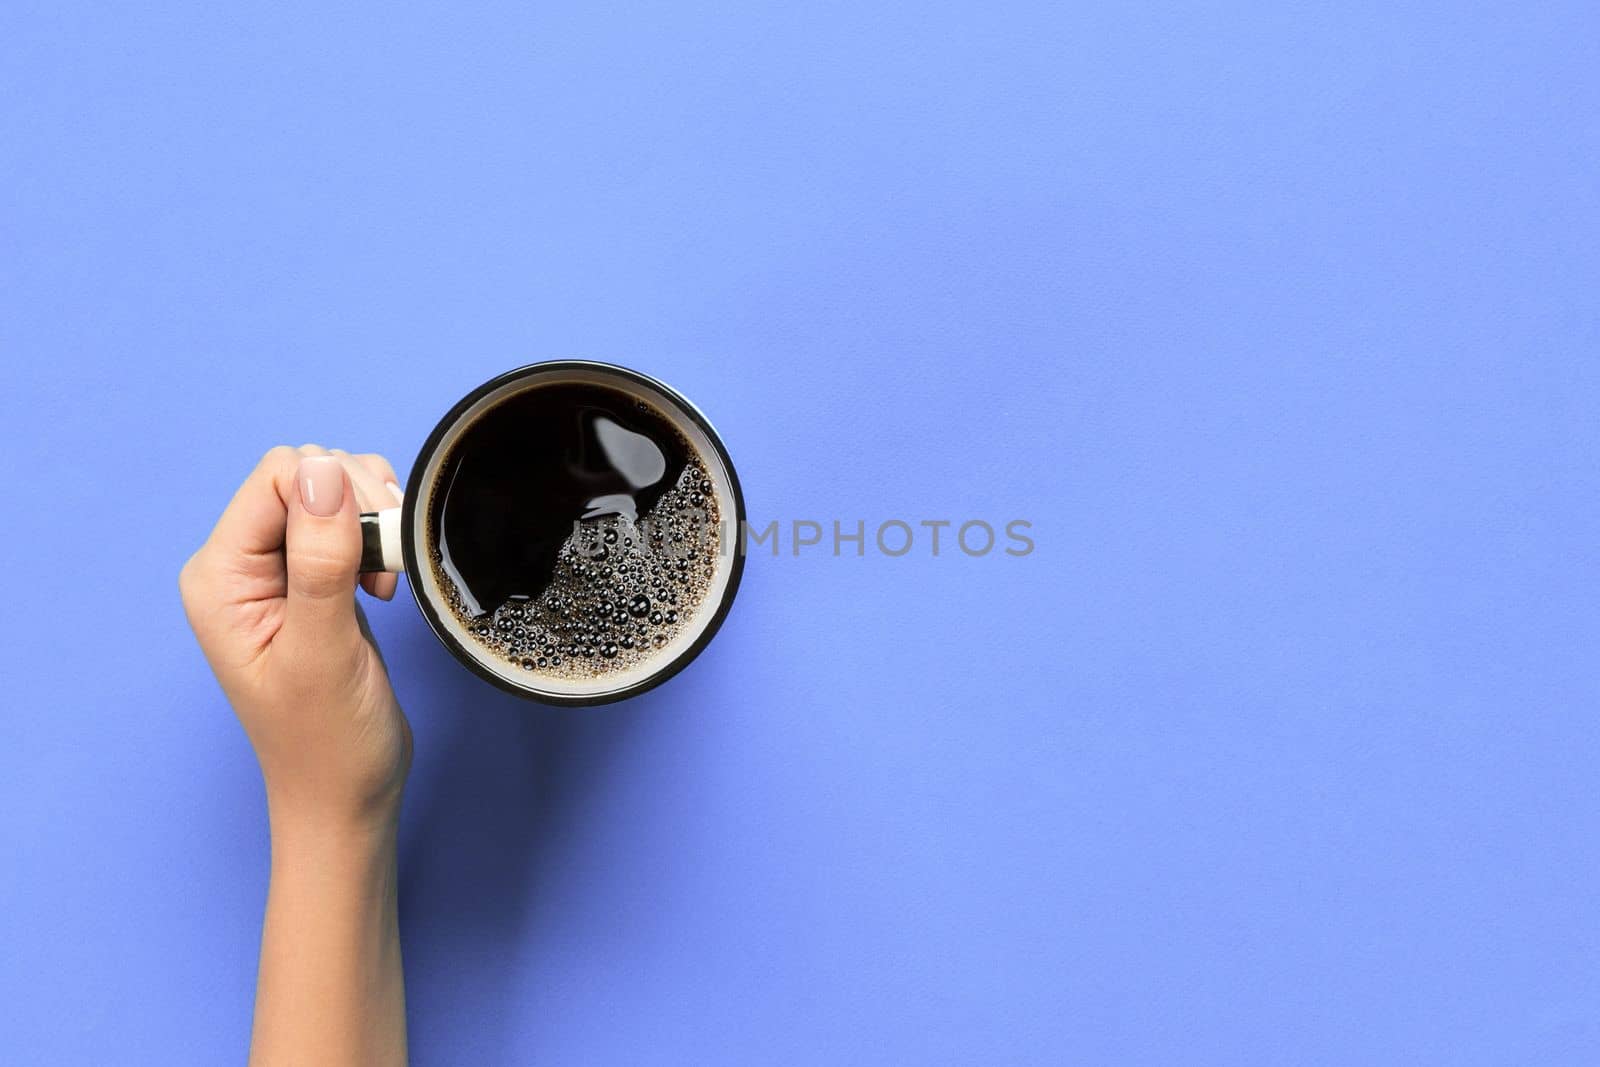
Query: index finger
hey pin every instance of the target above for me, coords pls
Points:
(253, 523)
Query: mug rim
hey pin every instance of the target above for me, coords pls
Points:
(413, 565)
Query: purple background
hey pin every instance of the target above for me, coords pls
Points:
(1279, 321)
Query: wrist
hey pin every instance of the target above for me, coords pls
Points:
(315, 830)
(334, 870)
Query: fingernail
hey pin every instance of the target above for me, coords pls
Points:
(321, 485)
(399, 494)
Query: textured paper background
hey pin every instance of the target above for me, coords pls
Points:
(1277, 320)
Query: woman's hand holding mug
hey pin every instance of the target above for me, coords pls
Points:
(271, 597)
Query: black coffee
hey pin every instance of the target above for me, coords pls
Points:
(574, 530)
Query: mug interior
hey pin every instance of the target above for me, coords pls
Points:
(434, 600)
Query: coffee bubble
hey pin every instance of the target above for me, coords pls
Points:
(592, 620)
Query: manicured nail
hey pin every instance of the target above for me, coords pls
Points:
(399, 494)
(321, 484)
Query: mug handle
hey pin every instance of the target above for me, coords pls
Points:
(380, 542)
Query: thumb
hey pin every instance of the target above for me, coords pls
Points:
(322, 548)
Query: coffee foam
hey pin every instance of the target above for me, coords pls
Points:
(702, 594)
(621, 594)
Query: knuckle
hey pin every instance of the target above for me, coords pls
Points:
(278, 462)
(377, 461)
(324, 582)
(323, 556)
(194, 590)
(276, 465)
(322, 571)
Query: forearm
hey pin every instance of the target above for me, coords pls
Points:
(330, 989)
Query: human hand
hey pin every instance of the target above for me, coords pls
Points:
(271, 599)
